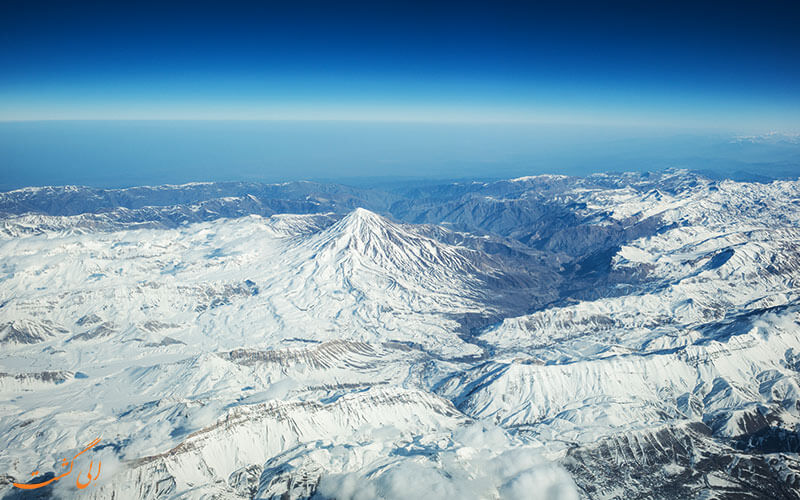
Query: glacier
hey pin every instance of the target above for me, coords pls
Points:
(620, 335)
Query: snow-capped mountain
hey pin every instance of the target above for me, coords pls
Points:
(613, 336)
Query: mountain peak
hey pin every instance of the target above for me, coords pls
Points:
(364, 214)
(361, 221)
(368, 237)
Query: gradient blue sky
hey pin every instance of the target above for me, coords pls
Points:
(692, 64)
(663, 67)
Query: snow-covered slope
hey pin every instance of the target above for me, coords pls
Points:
(614, 336)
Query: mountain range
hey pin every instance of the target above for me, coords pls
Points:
(620, 335)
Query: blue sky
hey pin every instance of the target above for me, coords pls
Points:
(701, 64)
(667, 67)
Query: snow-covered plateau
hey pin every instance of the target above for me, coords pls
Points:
(610, 336)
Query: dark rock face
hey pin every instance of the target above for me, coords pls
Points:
(680, 462)
(28, 332)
